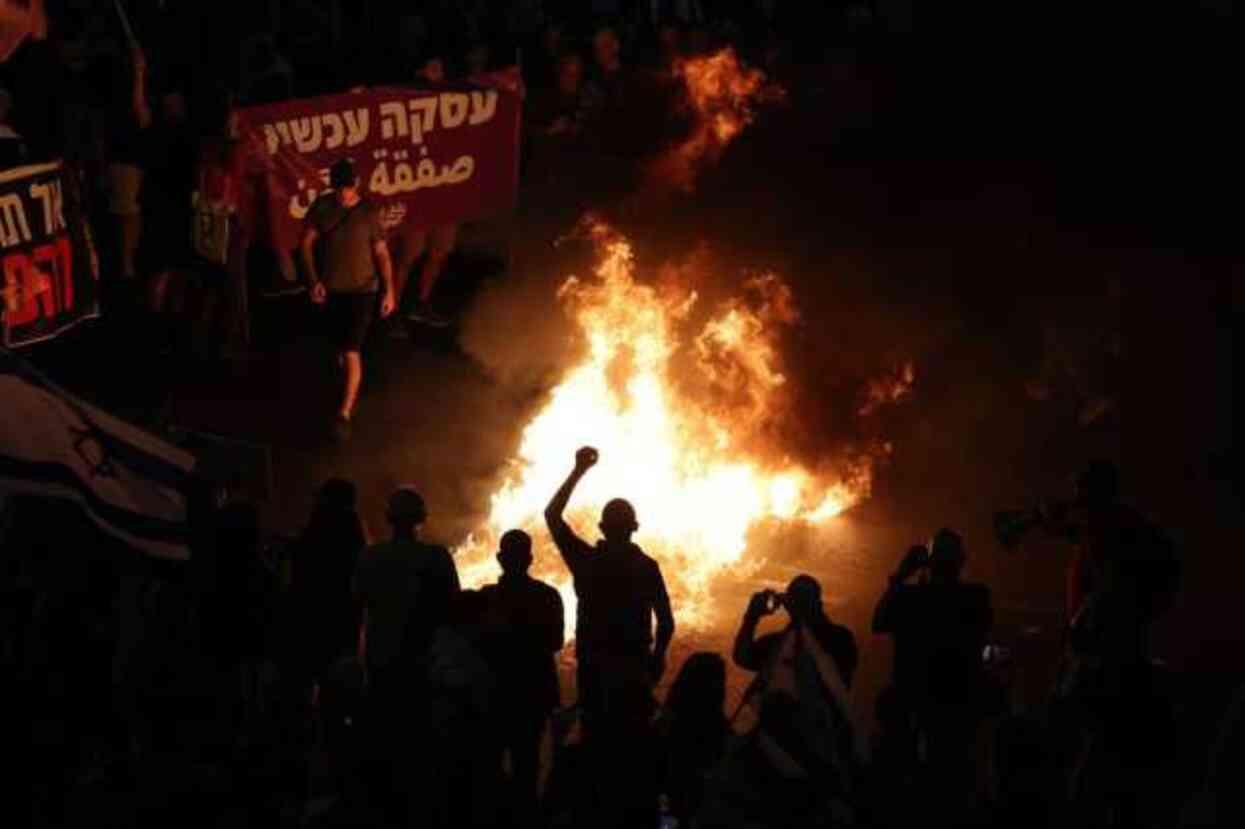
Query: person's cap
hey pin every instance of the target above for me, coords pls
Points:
(406, 506)
(341, 174)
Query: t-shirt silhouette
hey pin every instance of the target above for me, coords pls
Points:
(347, 237)
(526, 620)
(618, 588)
(940, 631)
(407, 587)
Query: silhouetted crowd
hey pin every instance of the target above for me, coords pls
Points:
(328, 681)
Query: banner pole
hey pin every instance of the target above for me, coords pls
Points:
(125, 25)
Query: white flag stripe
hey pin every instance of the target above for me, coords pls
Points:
(130, 482)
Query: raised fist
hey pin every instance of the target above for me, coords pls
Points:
(585, 458)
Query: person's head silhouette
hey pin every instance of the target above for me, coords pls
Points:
(338, 494)
(699, 691)
(514, 554)
(618, 521)
(803, 598)
(406, 510)
(946, 556)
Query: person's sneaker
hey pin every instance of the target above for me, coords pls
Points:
(342, 429)
(424, 314)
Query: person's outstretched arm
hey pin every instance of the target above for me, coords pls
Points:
(665, 627)
(884, 613)
(571, 546)
(745, 640)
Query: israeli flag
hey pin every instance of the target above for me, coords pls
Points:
(131, 483)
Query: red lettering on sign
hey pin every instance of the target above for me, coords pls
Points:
(40, 284)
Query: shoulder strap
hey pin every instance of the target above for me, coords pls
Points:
(342, 220)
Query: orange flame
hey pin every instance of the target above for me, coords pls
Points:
(888, 389)
(681, 414)
(722, 94)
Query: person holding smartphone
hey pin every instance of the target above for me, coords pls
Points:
(803, 604)
(939, 625)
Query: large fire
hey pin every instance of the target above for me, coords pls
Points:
(683, 412)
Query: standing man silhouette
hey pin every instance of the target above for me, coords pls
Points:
(620, 591)
(523, 635)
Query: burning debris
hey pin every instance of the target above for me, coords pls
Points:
(722, 96)
(685, 414)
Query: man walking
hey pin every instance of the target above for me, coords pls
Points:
(352, 253)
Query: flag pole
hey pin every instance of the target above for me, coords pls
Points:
(125, 25)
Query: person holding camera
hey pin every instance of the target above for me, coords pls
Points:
(803, 604)
(939, 625)
(798, 763)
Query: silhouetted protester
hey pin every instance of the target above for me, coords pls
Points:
(693, 731)
(620, 591)
(236, 617)
(561, 111)
(803, 604)
(525, 630)
(343, 277)
(1113, 705)
(405, 588)
(1124, 574)
(129, 115)
(1026, 790)
(323, 614)
(168, 148)
(798, 765)
(939, 627)
(461, 775)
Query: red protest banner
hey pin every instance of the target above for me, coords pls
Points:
(48, 268)
(20, 19)
(426, 156)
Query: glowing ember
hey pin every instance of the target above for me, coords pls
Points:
(722, 94)
(682, 413)
(888, 389)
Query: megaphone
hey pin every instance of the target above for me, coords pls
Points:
(1010, 526)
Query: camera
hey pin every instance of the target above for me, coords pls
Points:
(774, 600)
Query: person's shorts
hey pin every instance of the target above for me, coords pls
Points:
(124, 183)
(349, 318)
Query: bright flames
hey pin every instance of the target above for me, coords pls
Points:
(722, 96)
(682, 413)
